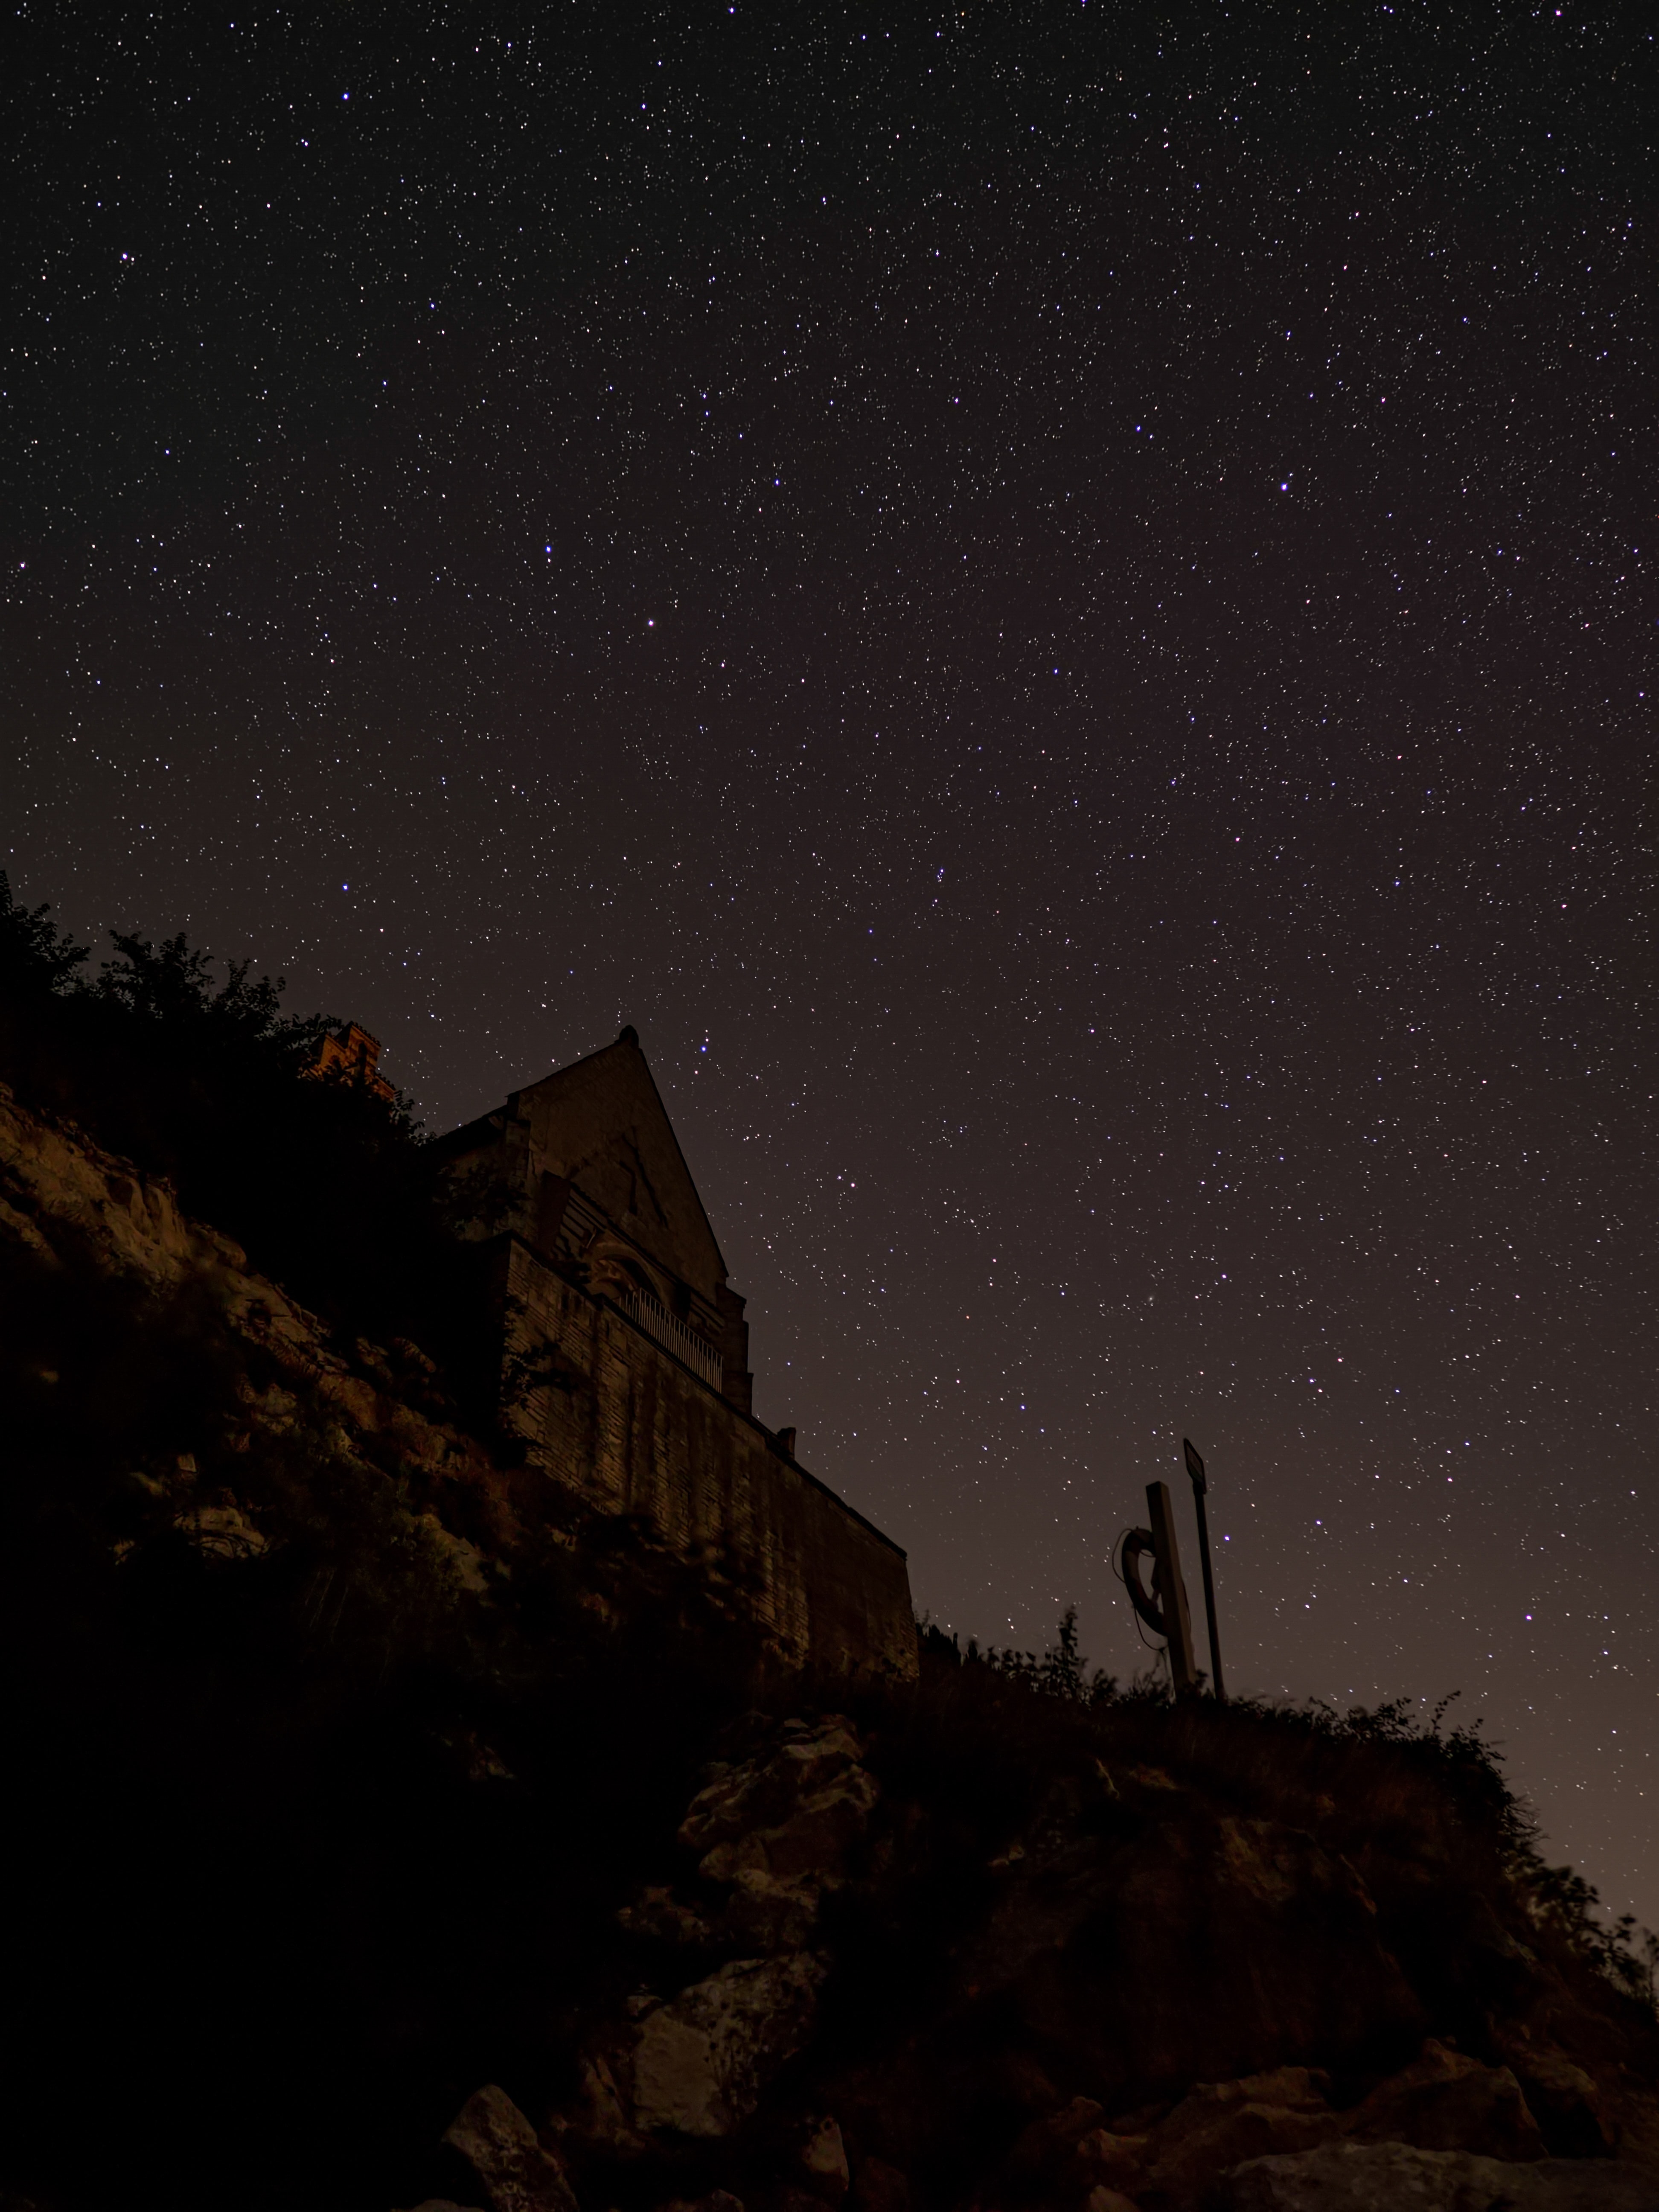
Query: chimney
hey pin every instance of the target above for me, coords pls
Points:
(736, 1383)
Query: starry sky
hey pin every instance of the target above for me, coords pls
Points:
(1050, 599)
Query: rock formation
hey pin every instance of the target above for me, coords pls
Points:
(1131, 1936)
(339, 1746)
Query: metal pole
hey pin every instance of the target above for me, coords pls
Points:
(1200, 1485)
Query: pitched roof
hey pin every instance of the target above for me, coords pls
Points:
(601, 1121)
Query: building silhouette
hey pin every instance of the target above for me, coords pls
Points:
(627, 1354)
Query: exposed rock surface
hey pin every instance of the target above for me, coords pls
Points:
(518, 2173)
(699, 2064)
(1219, 2124)
(823, 2161)
(1446, 2101)
(1195, 1946)
(61, 1196)
(1394, 2176)
(1571, 2110)
(776, 1829)
(1072, 2154)
(775, 1832)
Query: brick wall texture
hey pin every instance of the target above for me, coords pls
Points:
(629, 1430)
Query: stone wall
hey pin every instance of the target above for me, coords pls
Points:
(615, 1419)
(622, 1425)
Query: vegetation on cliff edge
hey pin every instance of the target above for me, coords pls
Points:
(316, 1832)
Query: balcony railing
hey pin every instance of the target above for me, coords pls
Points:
(650, 1315)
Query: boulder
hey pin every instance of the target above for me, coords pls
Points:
(1633, 2122)
(221, 1531)
(1219, 2124)
(811, 1840)
(1393, 2177)
(700, 2063)
(1144, 1953)
(824, 1827)
(824, 2162)
(1069, 2152)
(776, 1831)
(765, 1914)
(1106, 2160)
(1567, 2103)
(765, 1790)
(1046, 2148)
(518, 2172)
(659, 1915)
(1295, 2089)
(601, 2117)
(1446, 2101)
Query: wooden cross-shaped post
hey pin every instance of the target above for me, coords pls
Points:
(1171, 1590)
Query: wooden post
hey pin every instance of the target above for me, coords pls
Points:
(1171, 1590)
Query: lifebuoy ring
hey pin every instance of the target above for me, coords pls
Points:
(1133, 1545)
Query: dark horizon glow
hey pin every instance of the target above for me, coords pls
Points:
(1052, 608)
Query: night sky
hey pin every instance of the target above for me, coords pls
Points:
(1050, 601)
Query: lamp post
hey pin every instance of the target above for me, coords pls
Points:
(1200, 1486)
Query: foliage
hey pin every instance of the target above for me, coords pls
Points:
(1563, 1901)
(35, 958)
(1061, 1672)
(1388, 1773)
(203, 1079)
(315, 1808)
(173, 983)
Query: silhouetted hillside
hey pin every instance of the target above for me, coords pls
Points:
(328, 1186)
(359, 1782)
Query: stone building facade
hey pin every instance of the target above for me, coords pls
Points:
(627, 1354)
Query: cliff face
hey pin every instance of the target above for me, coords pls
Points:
(81, 1210)
(1100, 1986)
(385, 1833)
(622, 1432)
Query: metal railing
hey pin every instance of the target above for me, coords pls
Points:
(651, 1315)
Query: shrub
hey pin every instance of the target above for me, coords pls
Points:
(206, 1081)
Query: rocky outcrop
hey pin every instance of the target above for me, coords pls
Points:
(1030, 1970)
(1219, 2124)
(1129, 1930)
(1070, 2155)
(699, 2064)
(1573, 2113)
(1446, 2101)
(774, 1833)
(518, 2173)
(71, 1203)
(775, 1830)
(1147, 1941)
(823, 2167)
(1398, 2178)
